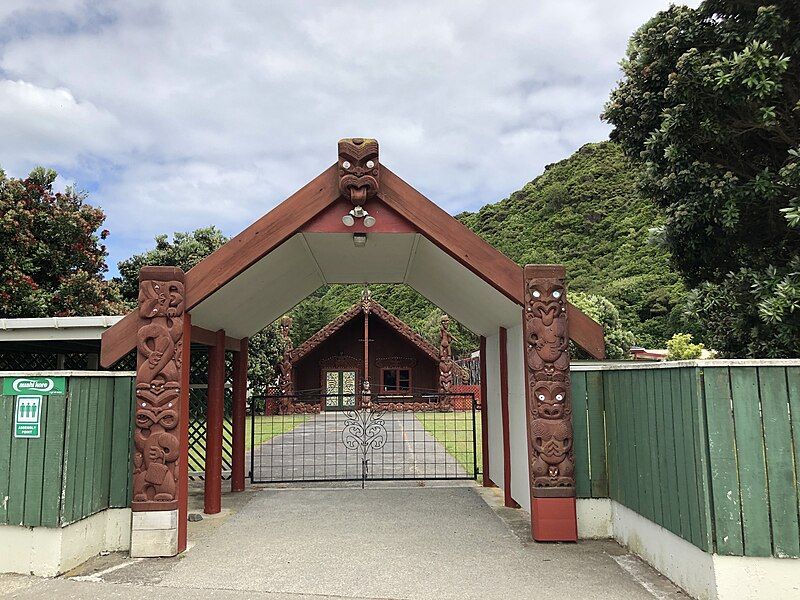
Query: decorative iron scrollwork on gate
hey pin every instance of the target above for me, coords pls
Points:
(364, 430)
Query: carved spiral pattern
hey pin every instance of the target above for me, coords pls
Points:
(158, 389)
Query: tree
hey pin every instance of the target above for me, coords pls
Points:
(186, 250)
(710, 106)
(680, 347)
(52, 255)
(618, 338)
(585, 212)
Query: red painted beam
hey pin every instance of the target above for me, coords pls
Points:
(207, 337)
(183, 433)
(239, 409)
(508, 500)
(487, 480)
(214, 413)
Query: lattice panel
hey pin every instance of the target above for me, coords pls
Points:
(198, 398)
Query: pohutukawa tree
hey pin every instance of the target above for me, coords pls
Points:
(52, 256)
(710, 104)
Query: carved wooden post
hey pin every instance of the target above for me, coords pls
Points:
(549, 404)
(158, 455)
(286, 378)
(445, 362)
(365, 400)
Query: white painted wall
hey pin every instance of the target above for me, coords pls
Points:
(704, 576)
(492, 405)
(518, 429)
(50, 551)
(594, 518)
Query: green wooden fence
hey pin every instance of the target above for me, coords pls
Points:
(710, 451)
(81, 463)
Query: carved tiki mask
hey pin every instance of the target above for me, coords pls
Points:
(551, 400)
(547, 311)
(359, 170)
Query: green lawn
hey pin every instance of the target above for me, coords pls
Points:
(267, 427)
(453, 430)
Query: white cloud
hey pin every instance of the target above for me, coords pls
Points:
(49, 126)
(197, 113)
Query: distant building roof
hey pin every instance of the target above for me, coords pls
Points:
(639, 353)
(55, 328)
(365, 305)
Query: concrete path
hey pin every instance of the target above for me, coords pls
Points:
(315, 450)
(442, 543)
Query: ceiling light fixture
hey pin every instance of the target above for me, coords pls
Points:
(358, 212)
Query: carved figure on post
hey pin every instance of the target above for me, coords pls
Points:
(547, 378)
(158, 388)
(446, 363)
(286, 378)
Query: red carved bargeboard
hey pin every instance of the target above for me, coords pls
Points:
(158, 389)
(549, 399)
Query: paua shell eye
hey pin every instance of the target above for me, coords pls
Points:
(556, 294)
(541, 397)
(537, 293)
(559, 397)
(370, 164)
(346, 164)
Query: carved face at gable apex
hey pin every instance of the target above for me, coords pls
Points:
(359, 169)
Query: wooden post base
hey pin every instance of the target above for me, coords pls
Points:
(554, 520)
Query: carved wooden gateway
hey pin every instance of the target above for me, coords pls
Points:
(356, 222)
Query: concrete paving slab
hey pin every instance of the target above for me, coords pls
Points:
(421, 543)
(389, 542)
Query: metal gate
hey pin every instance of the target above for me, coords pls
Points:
(306, 437)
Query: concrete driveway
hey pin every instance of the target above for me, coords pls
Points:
(385, 542)
(314, 451)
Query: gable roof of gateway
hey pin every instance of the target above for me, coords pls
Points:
(371, 306)
(277, 226)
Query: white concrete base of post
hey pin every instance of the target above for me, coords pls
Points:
(154, 533)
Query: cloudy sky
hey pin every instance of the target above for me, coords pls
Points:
(181, 114)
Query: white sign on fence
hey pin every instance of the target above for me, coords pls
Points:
(27, 417)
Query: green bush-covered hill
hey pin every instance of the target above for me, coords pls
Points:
(585, 212)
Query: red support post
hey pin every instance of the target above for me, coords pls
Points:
(487, 480)
(239, 409)
(508, 500)
(214, 414)
(183, 460)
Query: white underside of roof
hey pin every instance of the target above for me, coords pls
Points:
(55, 328)
(307, 261)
